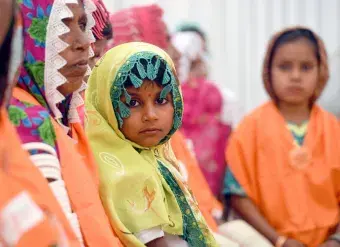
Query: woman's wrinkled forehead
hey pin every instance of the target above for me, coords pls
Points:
(78, 11)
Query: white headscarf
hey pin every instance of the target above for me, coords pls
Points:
(191, 47)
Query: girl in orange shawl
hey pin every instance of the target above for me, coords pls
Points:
(284, 176)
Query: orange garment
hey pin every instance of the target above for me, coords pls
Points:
(39, 225)
(80, 184)
(197, 183)
(83, 148)
(295, 188)
(82, 144)
(19, 175)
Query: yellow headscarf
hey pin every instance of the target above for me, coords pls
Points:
(140, 187)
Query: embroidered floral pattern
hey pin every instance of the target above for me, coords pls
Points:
(46, 132)
(37, 29)
(16, 115)
(36, 69)
(32, 122)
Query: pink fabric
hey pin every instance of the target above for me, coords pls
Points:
(101, 16)
(140, 24)
(201, 123)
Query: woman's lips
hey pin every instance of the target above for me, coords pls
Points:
(78, 68)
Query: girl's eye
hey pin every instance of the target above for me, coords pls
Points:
(161, 101)
(133, 103)
(306, 67)
(285, 66)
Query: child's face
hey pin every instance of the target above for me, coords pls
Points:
(294, 72)
(151, 118)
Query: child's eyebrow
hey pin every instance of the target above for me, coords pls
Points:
(133, 94)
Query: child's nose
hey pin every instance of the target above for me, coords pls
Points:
(296, 74)
(150, 114)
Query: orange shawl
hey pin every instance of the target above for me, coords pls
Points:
(197, 183)
(18, 174)
(80, 183)
(296, 190)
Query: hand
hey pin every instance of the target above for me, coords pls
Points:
(293, 243)
(330, 243)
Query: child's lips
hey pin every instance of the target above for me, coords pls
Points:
(150, 131)
(295, 89)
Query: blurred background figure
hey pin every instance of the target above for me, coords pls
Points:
(237, 33)
(232, 111)
(102, 31)
(203, 102)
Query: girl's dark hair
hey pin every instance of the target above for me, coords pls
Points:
(107, 31)
(5, 55)
(294, 35)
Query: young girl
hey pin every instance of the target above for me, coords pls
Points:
(134, 105)
(284, 164)
(142, 17)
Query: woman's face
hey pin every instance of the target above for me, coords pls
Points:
(198, 69)
(77, 53)
(99, 50)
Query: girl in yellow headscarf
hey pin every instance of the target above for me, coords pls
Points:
(134, 105)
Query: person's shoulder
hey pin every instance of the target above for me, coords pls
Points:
(321, 112)
(260, 113)
(328, 119)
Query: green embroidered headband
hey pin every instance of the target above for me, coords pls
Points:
(139, 67)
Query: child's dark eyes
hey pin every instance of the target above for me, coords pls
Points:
(303, 67)
(306, 67)
(161, 101)
(133, 103)
(285, 66)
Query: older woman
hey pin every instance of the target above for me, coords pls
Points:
(57, 39)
